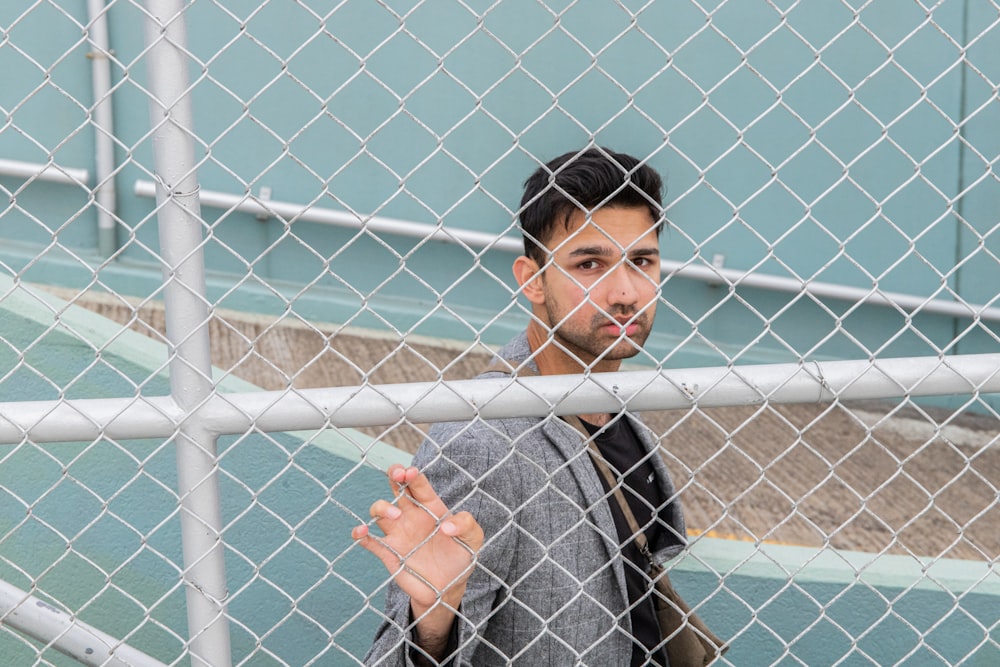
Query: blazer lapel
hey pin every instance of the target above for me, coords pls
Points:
(580, 469)
(570, 443)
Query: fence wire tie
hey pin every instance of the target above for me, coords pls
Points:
(823, 384)
(221, 601)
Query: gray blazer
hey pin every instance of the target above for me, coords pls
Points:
(549, 585)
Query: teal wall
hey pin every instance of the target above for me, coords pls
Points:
(782, 605)
(843, 148)
(93, 526)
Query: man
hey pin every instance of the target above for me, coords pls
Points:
(537, 565)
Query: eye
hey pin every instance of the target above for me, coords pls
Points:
(589, 265)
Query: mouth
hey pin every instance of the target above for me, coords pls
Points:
(627, 328)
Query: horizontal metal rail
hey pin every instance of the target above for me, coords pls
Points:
(474, 239)
(379, 405)
(68, 635)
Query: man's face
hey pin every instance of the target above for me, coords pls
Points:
(600, 287)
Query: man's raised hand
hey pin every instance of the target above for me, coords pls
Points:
(428, 551)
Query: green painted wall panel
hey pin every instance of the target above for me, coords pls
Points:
(782, 605)
(94, 526)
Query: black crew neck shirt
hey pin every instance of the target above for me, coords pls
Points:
(624, 453)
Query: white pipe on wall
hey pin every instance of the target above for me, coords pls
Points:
(290, 211)
(720, 276)
(44, 172)
(105, 192)
(381, 405)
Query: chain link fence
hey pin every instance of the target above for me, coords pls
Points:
(251, 250)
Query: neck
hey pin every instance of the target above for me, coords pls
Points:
(553, 360)
(596, 420)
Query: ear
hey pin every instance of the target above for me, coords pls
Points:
(529, 278)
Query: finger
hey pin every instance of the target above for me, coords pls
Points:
(393, 564)
(384, 513)
(396, 474)
(419, 488)
(377, 548)
(403, 480)
(464, 527)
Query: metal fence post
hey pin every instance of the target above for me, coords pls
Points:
(187, 315)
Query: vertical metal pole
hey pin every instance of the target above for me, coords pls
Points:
(187, 313)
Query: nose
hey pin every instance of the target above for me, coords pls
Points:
(622, 285)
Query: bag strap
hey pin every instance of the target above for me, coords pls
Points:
(638, 536)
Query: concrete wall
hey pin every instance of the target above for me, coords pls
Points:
(847, 149)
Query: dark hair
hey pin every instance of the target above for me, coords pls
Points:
(584, 181)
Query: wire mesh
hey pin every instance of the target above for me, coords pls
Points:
(251, 251)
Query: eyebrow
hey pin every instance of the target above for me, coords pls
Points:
(608, 251)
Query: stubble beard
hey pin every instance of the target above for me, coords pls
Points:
(589, 343)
